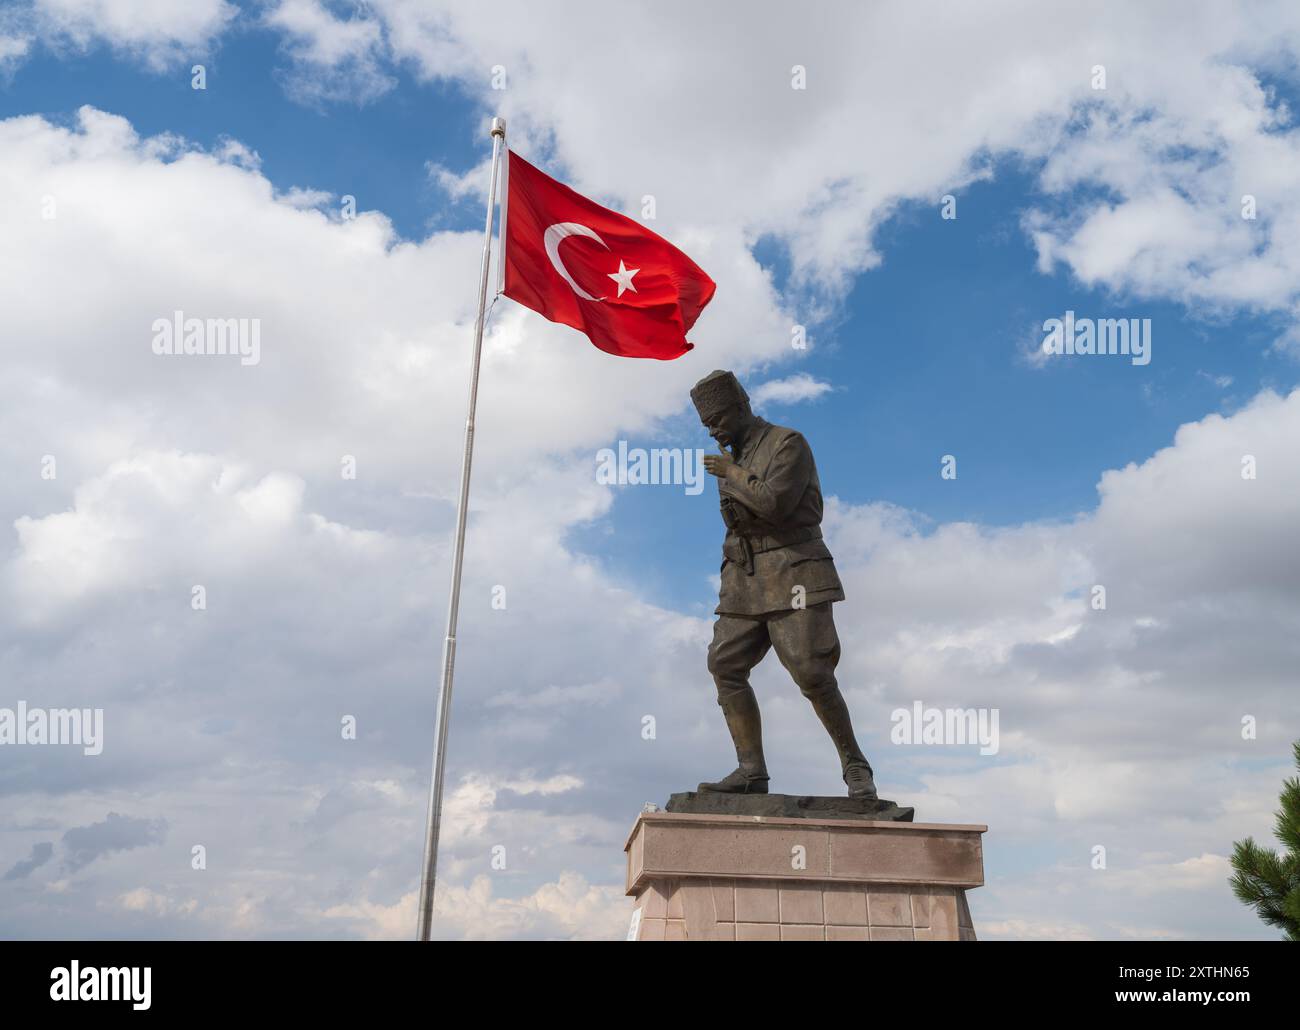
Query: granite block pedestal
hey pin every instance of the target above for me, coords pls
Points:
(824, 875)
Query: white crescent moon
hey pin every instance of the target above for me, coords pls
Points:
(562, 230)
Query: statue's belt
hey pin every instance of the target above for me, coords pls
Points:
(741, 549)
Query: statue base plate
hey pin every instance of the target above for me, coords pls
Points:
(788, 806)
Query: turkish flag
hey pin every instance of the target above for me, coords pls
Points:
(632, 292)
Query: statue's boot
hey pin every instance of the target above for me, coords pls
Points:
(746, 726)
(834, 714)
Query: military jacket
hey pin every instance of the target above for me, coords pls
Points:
(773, 514)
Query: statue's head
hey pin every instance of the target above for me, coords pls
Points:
(723, 406)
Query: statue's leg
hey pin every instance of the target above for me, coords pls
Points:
(738, 645)
(809, 647)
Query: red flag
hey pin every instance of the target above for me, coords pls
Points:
(632, 292)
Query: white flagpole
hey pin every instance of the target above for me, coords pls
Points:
(434, 822)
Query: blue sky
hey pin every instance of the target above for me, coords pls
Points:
(970, 592)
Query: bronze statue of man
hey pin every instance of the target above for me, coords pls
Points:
(778, 583)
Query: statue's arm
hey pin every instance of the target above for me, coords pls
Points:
(774, 497)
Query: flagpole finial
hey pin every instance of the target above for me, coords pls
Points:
(499, 127)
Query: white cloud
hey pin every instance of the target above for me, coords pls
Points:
(160, 32)
(790, 390)
(1184, 128)
(296, 196)
(334, 58)
(324, 39)
(167, 479)
(13, 49)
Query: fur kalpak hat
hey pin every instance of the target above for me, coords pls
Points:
(716, 392)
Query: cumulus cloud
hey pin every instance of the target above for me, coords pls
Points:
(321, 590)
(167, 485)
(1120, 727)
(158, 32)
(1184, 130)
(1185, 127)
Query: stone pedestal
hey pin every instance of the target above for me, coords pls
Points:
(742, 877)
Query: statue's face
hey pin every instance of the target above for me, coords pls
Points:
(727, 426)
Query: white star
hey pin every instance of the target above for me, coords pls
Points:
(623, 277)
